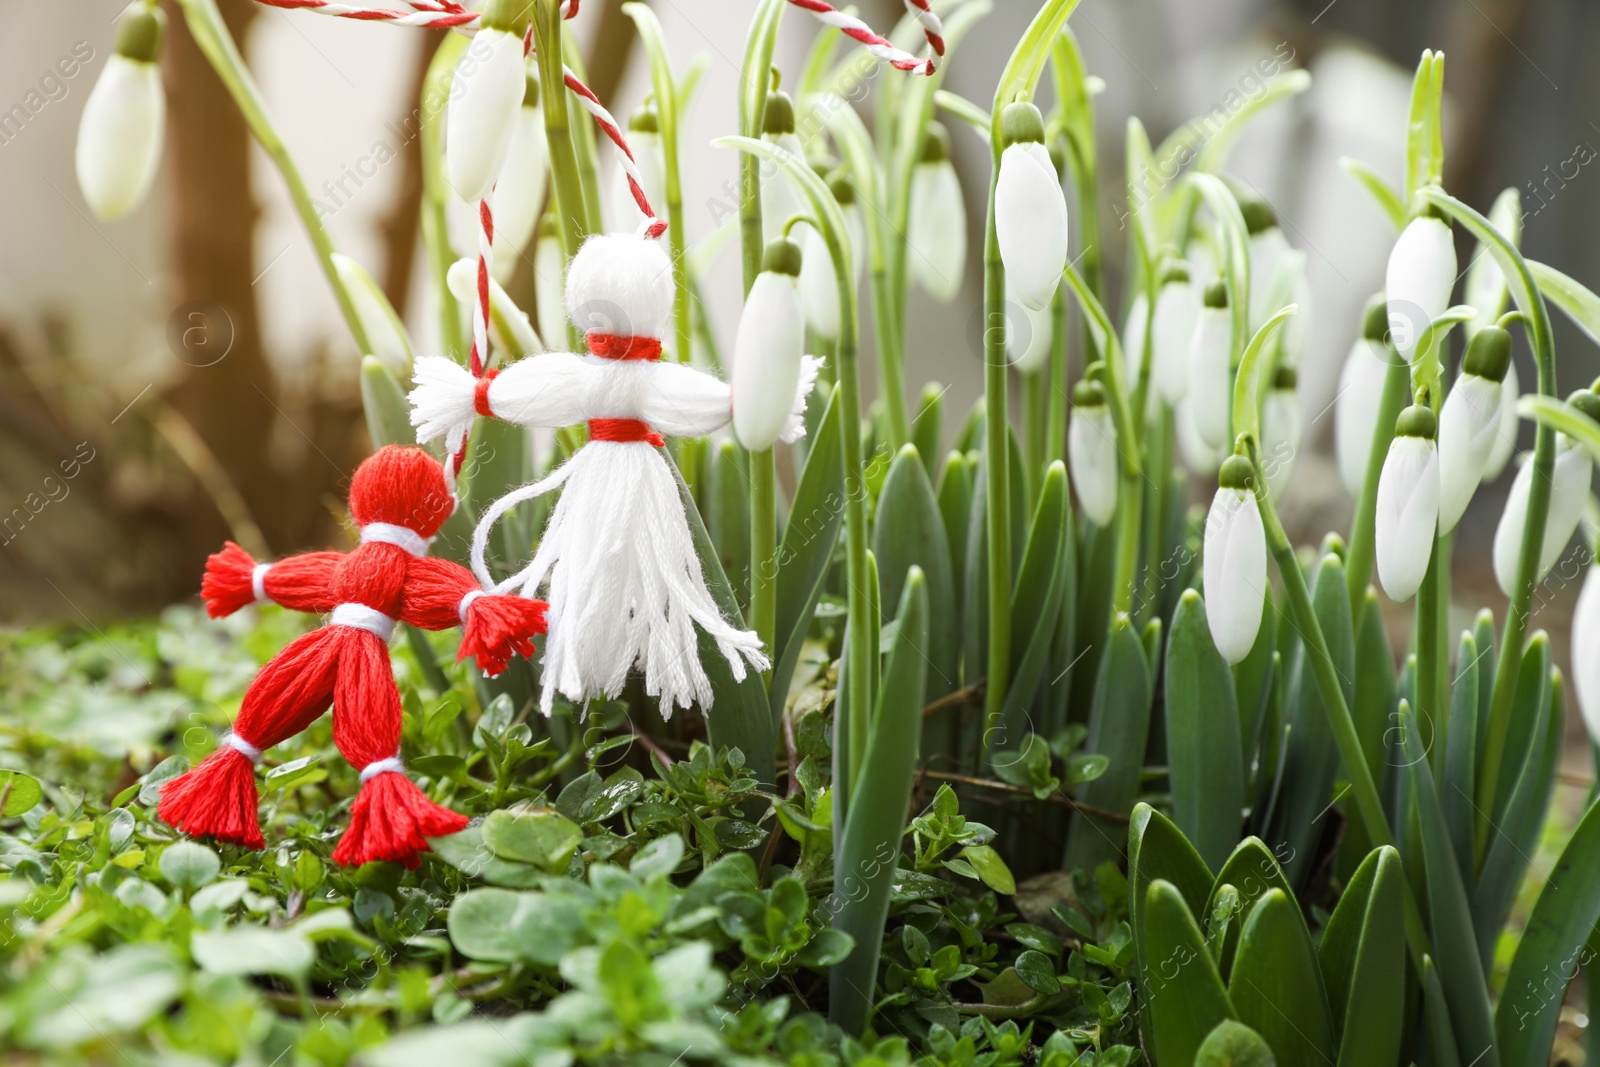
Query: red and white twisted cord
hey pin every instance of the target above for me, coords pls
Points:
(654, 227)
(429, 14)
(881, 47)
(932, 28)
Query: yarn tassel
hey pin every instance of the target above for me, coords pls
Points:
(392, 820)
(216, 799)
(498, 626)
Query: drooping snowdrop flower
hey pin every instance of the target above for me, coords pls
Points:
(550, 282)
(1235, 561)
(1177, 315)
(485, 98)
(769, 349)
(1505, 442)
(1470, 421)
(1281, 431)
(520, 192)
(819, 287)
(1092, 451)
(1210, 369)
(644, 140)
(937, 237)
(124, 120)
(1134, 330)
(386, 337)
(1361, 397)
(1407, 519)
(1422, 271)
(1569, 490)
(1268, 250)
(1198, 456)
(1295, 335)
(780, 199)
(1585, 664)
(1029, 333)
(1030, 208)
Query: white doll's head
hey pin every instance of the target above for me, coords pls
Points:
(621, 284)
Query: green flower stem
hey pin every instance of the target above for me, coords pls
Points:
(1536, 320)
(1035, 392)
(211, 34)
(1328, 687)
(572, 212)
(1359, 558)
(435, 194)
(1055, 395)
(891, 358)
(997, 490)
(764, 545)
(1430, 713)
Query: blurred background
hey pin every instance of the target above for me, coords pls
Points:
(191, 359)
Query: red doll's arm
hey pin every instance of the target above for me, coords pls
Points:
(440, 594)
(233, 580)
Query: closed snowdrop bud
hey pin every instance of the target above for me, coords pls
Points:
(1360, 397)
(1569, 491)
(1585, 664)
(938, 223)
(124, 120)
(768, 349)
(386, 337)
(780, 200)
(1407, 518)
(819, 286)
(1281, 431)
(485, 98)
(1030, 209)
(1505, 442)
(1470, 422)
(1235, 562)
(1422, 271)
(1092, 451)
(1198, 456)
(1268, 251)
(520, 192)
(644, 140)
(1210, 373)
(1177, 314)
(1133, 334)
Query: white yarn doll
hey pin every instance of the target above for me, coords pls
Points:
(625, 586)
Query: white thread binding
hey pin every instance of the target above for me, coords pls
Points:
(361, 617)
(387, 533)
(243, 747)
(258, 582)
(466, 602)
(383, 766)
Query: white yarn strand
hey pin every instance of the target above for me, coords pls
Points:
(387, 533)
(243, 747)
(258, 582)
(362, 617)
(382, 766)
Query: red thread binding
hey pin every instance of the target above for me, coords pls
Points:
(624, 430)
(623, 346)
(480, 394)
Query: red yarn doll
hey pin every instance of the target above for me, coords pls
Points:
(399, 500)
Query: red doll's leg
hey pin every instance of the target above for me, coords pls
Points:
(218, 797)
(391, 818)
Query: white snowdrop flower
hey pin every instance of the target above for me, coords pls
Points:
(1210, 368)
(819, 287)
(520, 192)
(124, 120)
(1092, 452)
(1198, 456)
(1133, 335)
(1505, 442)
(1202, 258)
(1407, 519)
(1268, 251)
(1029, 334)
(550, 283)
(937, 228)
(781, 200)
(485, 98)
(1296, 332)
(1360, 398)
(1234, 562)
(768, 349)
(1281, 431)
(1569, 490)
(1177, 315)
(1422, 271)
(1469, 422)
(644, 140)
(1030, 208)
(1585, 664)
(386, 337)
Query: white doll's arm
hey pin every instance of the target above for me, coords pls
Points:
(683, 402)
(544, 390)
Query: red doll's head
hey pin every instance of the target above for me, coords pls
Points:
(403, 485)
